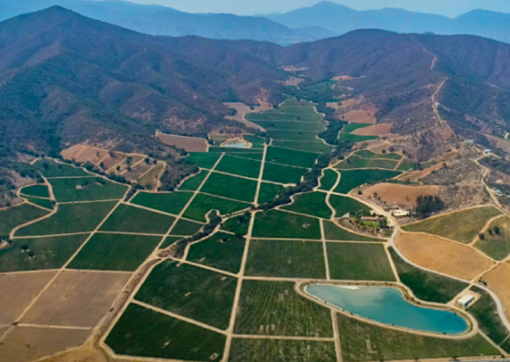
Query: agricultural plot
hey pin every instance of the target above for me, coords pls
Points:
(351, 127)
(335, 233)
(189, 291)
(50, 168)
(275, 309)
(355, 162)
(347, 137)
(472, 221)
(443, 256)
(204, 159)
(268, 192)
(312, 203)
(279, 224)
(351, 179)
(18, 215)
(39, 253)
(406, 165)
(367, 342)
(46, 203)
(345, 205)
(29, 343)
(496, 241)
(239, 166)
(359, 262)
(238, 225)
(425, 285)
(293, 135)
(486, 313)
(78, 299)
(86, 189)
(145, 333)
(70, 218)
(277, 350)
(230, 187)
(118, 252)
(169, 241)
(194, 182)
(282, 174)
(221, 251)
(135, 220)
(369, 154)
(293, 126)
(498, 280)
(286, 259)
(257, 156)
(203, 204)
(310, 146)
(254, 140)
(36, 190)
(328, 180)
(291, 157)
(18, 291)
(172, 203)
(151, 179)
(397, 194)
(186, 228)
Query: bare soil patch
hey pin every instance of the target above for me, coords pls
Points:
(342, 77)
(367, 117)
(110, 161)
(442, 255)
(85, 353)
(401, 195)
(415, 176)
(72, 152)
(293, 81)
(349, 103)
(31, 343)
(242, 109)
(93, 155)
(18, 291)
(291, 68)
(189, 144)
(498, 281)
(380, 129)
(77, 298)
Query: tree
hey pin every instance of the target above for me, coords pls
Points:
(497, 230)
(427, 205)
(481, 236)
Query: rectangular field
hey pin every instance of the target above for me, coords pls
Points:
(366, 342)
(78, 299)
(425, 285)
(186, 228)
(221, 251)
(472, 221)
(239, 166)
(172, 203)
(203, 159)
(190, 291)
(291, 157)
(286, 258)
(145, 333)
(312, 203)
(86, 189)
(70, 218)
(278, 224)
(345, 205)
(352, 179)
(189, 144)
(354, 162)
(135, 220)
(268, 192)
(194, 182)
(359, 262)
(275, 309)
(335, 233)
(231, 187)
(50, 168)
(39, 253)
(309, 146)
(282, 174)
(115, 252)
(203, 204)
(370, 154)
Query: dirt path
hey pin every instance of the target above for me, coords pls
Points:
(261, 174)
(325, 249)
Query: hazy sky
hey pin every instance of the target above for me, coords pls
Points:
(248, 7)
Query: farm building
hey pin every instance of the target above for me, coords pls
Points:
(400, 213)
(466, 300)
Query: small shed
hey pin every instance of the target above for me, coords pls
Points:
(466, 300)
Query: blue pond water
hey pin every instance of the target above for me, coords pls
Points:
(388, 306)
(236, 144)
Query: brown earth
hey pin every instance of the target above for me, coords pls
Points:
(293, 81)
(189, 144)
(91, 154)
(498, 281)
(342, 77)
(77, 298)
(18, 291)
(365, 117)
(348, 103)
(442, 255)
(151, 179)
(242, 109)
(72, 152)
(109, 161)
(31, 343)
(400, 195)
(380, 148)
(375, 130)
(85, 353)
(415, 176)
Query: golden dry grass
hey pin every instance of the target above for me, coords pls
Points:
(442, 255)
(414, 176)
(242, 109)
(30, 343)
(365, 117)
(93, 155)
(18, 291)
(498, 280)
(189, 144)
(375, 130)
(401, 195)
(77, 298)
(293, 81)
(71, 152)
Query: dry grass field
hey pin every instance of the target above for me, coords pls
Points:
(401, 195)
(293, 81)
(90, 154)
(443, 256)
(365, 117)
(498, 281)
(85, 353)
(72, 152)
(242, 109)
(415, 176)
(77, 299)
(380, 129)
(18, 290)
(24, 344)
(189, 144)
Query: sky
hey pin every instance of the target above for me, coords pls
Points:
(450, 8)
